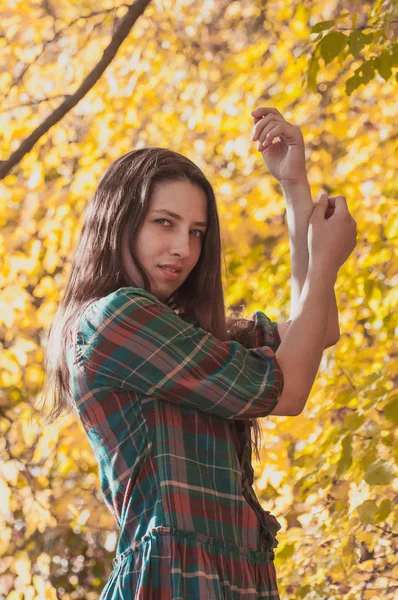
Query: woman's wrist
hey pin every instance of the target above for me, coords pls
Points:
(296, 189)
(322, 268)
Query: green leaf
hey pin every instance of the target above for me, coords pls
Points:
(388, 440)
(287, 551)
(303, 591)
(312, 73)
(354, 20)
(391, 411)
(369, 457)
(380, 473)
(369, 284)
(383, 64)
(332, 44)
(394, 54)
(367, 511)
(346, 456)
(366, 72)
(98, 570)
(383, 511)
(354, 421)
(363, 74)
(301, 461)
(323, 25)
(351, 84)
(357, 40)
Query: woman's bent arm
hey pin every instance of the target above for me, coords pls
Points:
(300, 352)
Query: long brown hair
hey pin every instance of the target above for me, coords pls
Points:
(121, 201)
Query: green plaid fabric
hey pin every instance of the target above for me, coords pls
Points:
(167, 409)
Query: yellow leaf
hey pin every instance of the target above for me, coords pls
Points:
(46, 288)
(46, 313)
(22, 567)
(7, 314)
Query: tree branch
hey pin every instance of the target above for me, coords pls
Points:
(34, 102)
(388, 531)
(55, 38)
(134, 12)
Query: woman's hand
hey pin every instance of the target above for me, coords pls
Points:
(285, 159)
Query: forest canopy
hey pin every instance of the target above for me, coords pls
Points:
(84, 82)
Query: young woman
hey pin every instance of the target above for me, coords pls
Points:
(168, 388)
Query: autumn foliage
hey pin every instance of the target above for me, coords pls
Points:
(186, 76)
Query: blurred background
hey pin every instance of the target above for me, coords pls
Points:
(83, 82)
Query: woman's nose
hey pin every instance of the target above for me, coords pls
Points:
(180, 245)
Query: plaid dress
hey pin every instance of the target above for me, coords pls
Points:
(167, 409)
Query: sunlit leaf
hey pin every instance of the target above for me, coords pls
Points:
(346, 455)
(384, 63)
(391, 410)
(379, 473)
(323, 25)
(332, 44)
(367, 511)
(357, 41)
(182, 80)
(383, 510)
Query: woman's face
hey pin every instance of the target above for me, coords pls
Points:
(165, 239)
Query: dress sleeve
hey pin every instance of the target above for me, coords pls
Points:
(256, 331)
(133, 342)
(265, 332)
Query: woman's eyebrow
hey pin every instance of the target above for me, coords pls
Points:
(178, 217)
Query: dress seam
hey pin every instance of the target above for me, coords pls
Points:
(217, 543)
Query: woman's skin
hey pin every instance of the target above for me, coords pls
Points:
(174, 241)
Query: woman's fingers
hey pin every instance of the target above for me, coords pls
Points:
(262, 123)
(332, 199)
(265, 110)
(331, 203)
(269, 133)
(269, 124)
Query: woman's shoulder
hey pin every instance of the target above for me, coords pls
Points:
(128, 303)
(118, 299)
(137, 293)
(131, 292)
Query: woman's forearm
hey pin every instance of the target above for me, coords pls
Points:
(299, 208)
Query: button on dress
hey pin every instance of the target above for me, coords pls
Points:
(167, 409)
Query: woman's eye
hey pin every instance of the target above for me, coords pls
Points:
(201, 233)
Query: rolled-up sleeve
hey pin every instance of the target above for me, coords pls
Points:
(134, 342)
(265, 332)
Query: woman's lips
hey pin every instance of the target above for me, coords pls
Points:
(169, 274)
